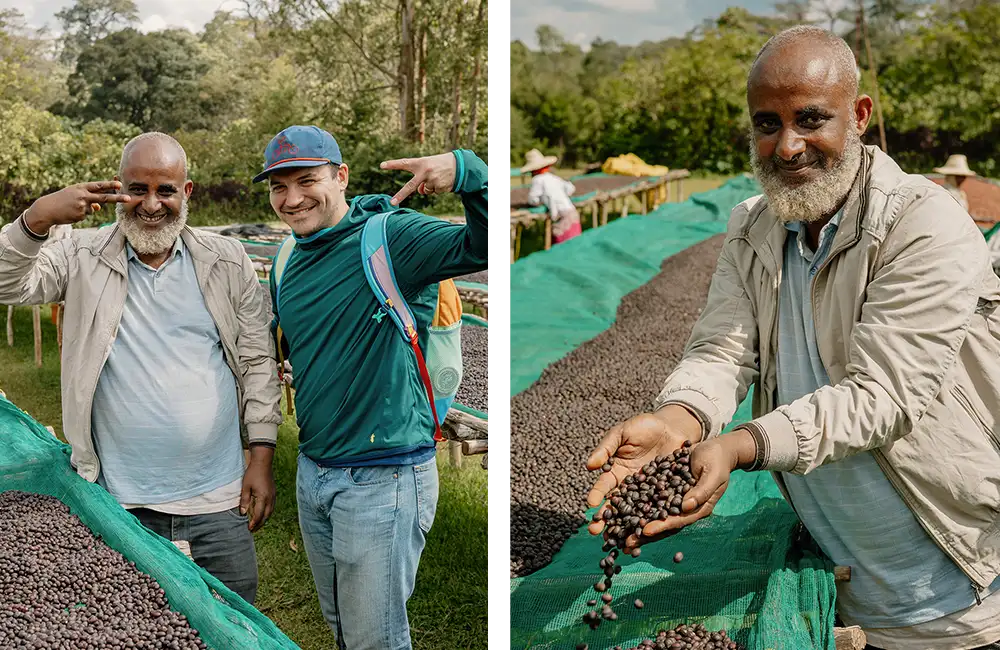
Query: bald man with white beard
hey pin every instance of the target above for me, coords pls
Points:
(168, 363)
(860, 304)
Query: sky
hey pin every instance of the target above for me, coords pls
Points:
(581, 21)
(153, 14)
(627, 22)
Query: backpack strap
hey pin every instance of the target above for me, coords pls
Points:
(277, 270)
(378, 270)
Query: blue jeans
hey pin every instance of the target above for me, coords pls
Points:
(220, 543)
(364, 529)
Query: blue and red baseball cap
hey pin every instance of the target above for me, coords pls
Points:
(299, 146)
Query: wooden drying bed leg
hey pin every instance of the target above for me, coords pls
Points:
(10, 325)
(474, 447)
(59, 327)
(604, 213)
(624, 207)
(593, 215)
(513, 237)
(548, 232)
(36, 322)
(680, 189)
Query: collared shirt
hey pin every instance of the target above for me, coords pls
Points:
(899, 575)
(166, 414)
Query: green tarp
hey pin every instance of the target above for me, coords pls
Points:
(33, 460)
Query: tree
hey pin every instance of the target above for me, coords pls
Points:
(147, 80)
(88, 21)
(28, 74)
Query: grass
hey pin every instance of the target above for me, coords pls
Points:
(448, 608)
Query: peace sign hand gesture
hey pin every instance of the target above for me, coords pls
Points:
(72, 204)
(431, 175)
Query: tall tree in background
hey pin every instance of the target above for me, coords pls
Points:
(87, 21)
(478, 46)
(147, 80)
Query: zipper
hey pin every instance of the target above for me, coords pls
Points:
(876, 454)
(966, 403)
(961, 564)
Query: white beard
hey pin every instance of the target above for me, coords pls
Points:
(815, 199)
(146, 241)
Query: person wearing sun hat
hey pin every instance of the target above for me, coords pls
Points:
(367, 482)
(956, 170)
(554, 193)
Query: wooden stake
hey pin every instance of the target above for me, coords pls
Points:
(10, 325)
(36, 321)
(849, 638)
(455, 452)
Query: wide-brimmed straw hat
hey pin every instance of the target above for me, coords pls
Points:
(534, 160)
(957, 165)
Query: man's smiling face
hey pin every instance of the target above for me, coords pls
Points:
(307, 198)
(806, 126)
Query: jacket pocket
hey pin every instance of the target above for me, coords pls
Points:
(966, 403)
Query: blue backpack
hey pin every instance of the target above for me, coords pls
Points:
(441, 371)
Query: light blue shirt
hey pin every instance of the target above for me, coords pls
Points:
(166, 415)
(899, 576)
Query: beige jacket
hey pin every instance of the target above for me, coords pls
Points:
(905, 308)
(88, 272)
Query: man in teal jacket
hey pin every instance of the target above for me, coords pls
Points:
(367, 482)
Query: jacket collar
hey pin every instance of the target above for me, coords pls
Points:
(766, 234)
(111, 248)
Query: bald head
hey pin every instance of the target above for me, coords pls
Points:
(806, 54)
(153, 149)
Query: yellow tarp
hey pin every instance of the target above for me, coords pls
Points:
(632, 165)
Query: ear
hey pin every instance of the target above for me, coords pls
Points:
(188, 187)
(862, 113)
(343, 175)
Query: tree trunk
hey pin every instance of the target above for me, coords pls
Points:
(422, 85)
(456, 111)
(473, 115)
(406, 69)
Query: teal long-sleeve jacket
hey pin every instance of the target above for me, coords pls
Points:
(358, 394)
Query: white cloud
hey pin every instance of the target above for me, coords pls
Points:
(153, 14)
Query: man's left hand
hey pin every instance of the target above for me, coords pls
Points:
(431, 175)
(258, 493)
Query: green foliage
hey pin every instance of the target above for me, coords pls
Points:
(44, 152)
(87, 21)
(147, 80)
(682, 102)
(227, 90)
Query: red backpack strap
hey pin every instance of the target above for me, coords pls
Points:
(426, 377)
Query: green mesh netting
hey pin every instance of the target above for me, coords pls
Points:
(741, 571)
(569, 294)
(33, 460)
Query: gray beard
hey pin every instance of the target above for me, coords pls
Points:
(151, 242)
(815, 199)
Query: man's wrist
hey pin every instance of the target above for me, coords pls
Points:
(745, 441)
(684, 419)
(262, 453)
(33, 227)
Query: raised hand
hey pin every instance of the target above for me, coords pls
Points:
(72, 204)
(431, 175)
